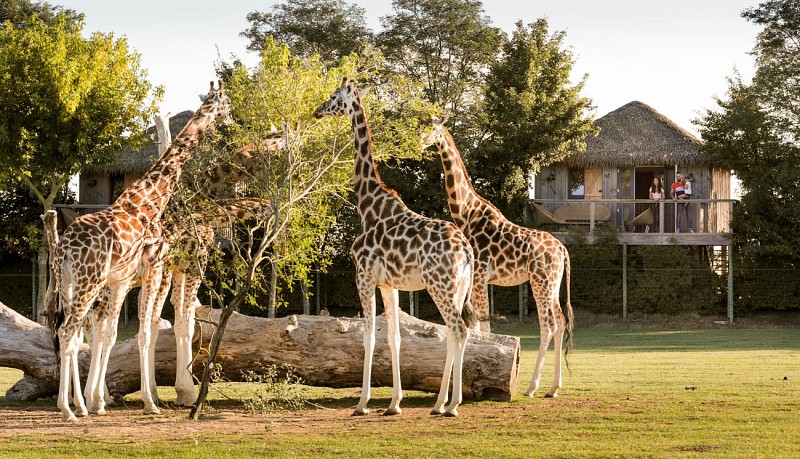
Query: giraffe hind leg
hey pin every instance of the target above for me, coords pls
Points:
(545, 335)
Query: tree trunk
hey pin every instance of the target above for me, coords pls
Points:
(273, 291)
(323, 351)
(41, 283)
(306, 301)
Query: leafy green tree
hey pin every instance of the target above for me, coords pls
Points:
(755, 130)
(446, 45)
(534, 115)
(20, 12)
(68, 102)
(330, 28)
(305, 183)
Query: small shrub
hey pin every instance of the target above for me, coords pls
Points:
(277, 390)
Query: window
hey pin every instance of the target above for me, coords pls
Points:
(577, 184)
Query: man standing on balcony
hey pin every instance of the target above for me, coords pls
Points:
(679, 192)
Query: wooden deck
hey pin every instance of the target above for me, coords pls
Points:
(636, 221)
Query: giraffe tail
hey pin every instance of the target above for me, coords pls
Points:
(468, 313)
(52, 309)
(569, 316)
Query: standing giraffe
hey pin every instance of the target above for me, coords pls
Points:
(195, 237)
(109, 248)
(402, 250)
(507, 254)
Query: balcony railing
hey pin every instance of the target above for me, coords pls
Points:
(638, 221)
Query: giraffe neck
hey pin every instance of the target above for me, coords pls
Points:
(368, 185)
(149, 195)
(461, 197)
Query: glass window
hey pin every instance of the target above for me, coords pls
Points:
(577, 184)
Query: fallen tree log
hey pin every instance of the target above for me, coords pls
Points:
(322, 350)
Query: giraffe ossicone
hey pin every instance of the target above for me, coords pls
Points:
(507, 254)
(399, 249)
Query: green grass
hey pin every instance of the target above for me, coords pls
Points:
(630, 393)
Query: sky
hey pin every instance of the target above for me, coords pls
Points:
(672, 55)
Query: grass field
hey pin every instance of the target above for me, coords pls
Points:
(630, 393)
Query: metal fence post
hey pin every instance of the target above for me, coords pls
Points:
(625, 282)
(730, 283)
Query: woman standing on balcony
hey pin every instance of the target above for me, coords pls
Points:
(656, 195)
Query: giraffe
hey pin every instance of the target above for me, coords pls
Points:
(507, 254)
(110, 248)
(399, 249)
(185, 275)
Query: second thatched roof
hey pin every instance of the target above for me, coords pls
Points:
(139, 161)
(637, 135)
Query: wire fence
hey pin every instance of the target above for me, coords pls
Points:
(641, 290)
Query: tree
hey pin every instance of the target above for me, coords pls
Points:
(533, 116)
(446, 45)
(68, 102)
(331, 28)
(304, 184)
(755, 130)
(20, 13)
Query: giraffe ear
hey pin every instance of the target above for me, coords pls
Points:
(362, 93)
(272, 128)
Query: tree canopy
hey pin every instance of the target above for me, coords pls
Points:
(68, 102)
(533, 115)
(755, 130)
(331, 28)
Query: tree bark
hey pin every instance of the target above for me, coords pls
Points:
(323, 351)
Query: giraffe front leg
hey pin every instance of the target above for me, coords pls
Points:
(184, 300)
(390, 303)
(368, 306)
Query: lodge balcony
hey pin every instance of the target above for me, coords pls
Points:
(637, 221)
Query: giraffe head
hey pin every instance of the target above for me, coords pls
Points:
(217, 103)
(340, 100)
(435, 134)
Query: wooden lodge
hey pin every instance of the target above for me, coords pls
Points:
(608, 183)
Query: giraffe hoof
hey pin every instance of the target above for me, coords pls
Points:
(451, 413)
(528, 393)
(361, 412)
(81, 412)
(549, 395)
(437, 411)
(153, 410)
(392, 411)
(69, 418)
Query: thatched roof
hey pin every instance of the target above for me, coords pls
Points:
(637, 135)
(138, 161)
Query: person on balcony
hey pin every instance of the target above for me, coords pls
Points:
(679, 193)
(656, 195)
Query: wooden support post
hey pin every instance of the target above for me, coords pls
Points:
(661, 216)
(592, 209)
(625, 282)
(411, 304)
(521, 304)
(730, 283)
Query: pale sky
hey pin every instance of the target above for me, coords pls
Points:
(672, 55)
